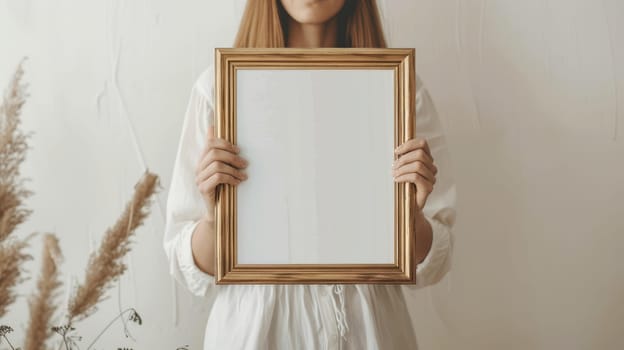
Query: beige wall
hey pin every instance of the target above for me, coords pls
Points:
(531, 94)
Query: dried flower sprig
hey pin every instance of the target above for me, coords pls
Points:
(106, 264)
(68, 340)
(63, 330)
(4, 330)
(135, 317)
(41, 304)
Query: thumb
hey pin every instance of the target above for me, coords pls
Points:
(421, 197)
(414, 202)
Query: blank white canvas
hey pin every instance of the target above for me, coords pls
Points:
(320, 150)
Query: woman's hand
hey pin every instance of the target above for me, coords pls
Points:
(415, 164)
(219, 163)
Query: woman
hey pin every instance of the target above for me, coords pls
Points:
(363, 316)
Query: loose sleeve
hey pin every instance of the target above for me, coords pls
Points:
(185, 206)
(440, 208)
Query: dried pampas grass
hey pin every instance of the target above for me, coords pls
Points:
(12, 256)
(13, 148)
(41, 304)
(106, 264)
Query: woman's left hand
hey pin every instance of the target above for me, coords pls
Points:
(415, 164)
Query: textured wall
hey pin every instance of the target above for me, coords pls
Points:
(531, 94)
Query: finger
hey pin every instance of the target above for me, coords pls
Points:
(219, 178)
(211, 133)
(423, 186)
(220, 144)
(413, 202)
(419, 155)
(216, 154)
(219, 167)
(413, 144)
(415, 167)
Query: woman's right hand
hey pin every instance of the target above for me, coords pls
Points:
(219, 163)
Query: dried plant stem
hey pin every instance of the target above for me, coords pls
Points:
(8, 342)
(106, 264)
(41, 304)
(110, 324)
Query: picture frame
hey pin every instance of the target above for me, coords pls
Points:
(256, 83)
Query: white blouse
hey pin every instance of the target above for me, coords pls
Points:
(343, 316)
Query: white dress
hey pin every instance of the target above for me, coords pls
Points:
(276, 317)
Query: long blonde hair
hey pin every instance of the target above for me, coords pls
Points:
(265, 24)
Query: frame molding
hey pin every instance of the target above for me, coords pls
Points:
(227, 62)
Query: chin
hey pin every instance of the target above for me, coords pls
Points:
(312, 11)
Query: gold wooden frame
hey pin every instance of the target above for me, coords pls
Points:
(227, 61)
